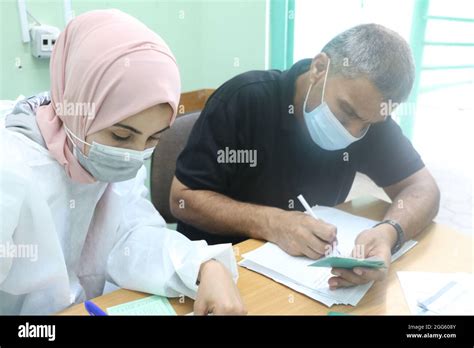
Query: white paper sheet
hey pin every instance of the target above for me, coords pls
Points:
(294, 272)
(421, 286)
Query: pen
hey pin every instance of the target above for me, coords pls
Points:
(307, 207)
(310, 211)
(93, 309)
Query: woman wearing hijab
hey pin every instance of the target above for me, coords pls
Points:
(74, 212)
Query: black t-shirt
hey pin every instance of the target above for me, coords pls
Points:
(253, 111)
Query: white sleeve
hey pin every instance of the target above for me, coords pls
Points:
(13, 186)
(150, 258)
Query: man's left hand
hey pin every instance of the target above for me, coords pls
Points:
(375, 242)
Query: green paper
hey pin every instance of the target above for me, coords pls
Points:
(348, 262)
(152, 305)
(336, 313)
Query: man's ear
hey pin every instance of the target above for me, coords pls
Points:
(318, 67)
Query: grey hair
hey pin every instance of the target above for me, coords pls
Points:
(375, 52)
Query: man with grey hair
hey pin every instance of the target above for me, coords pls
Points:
(312, 128)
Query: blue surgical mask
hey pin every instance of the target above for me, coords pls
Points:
(324, 128)
(109, 163)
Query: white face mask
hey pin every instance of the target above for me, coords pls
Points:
(108, 163)
(324, 128)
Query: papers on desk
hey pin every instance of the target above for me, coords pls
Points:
(152, 305)
(438, 293)
(294, 272)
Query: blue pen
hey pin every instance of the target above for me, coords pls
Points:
(93, 309)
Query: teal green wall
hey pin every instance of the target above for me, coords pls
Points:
(212, 40)
(282, 33)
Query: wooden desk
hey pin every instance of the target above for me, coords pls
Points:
(440, 249)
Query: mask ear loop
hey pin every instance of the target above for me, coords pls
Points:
(69, 134)
(325, 80)
(324, 87)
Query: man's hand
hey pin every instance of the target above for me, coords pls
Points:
(376, 242)
(217, 292)
(299, 234)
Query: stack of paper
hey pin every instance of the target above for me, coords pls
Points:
(438, 293)
(295, 272)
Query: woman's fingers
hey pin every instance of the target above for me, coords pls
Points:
(217, 292)
(200, 307)
(229, 308)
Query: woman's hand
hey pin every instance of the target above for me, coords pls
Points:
(217, 293)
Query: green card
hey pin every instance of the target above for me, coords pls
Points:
(348, 262)
(152, 305)
(336, 313)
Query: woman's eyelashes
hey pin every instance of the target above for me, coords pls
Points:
(153, 140)
(121, 137)
(129, 139)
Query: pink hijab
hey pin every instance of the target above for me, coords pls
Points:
(105, 67)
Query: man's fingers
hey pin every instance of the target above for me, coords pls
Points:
(370, 274)
(348, 275)
(311, 253)
(359, 251)
(338, 282)
(323, 230)
(316, 244)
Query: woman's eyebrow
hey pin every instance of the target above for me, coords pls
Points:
(161, 131)
(136, 130)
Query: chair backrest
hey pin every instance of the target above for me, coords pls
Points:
(172, 142)
(193, 101)
(163, 163)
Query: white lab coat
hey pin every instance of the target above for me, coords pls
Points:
(82, 240)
